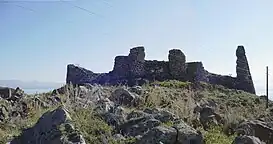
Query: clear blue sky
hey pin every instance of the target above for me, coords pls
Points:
(38, 39)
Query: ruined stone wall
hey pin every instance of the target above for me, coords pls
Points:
(136, 59)
(177, 65)
(195, 72)
(134, 69)
(121, 66)
(156, 70)
(244, 79)
(227, 81)
(79, 75)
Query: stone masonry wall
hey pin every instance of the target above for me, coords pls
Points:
(134, 69)
(177, 65)
(195, 72)
(79, 75)
(244, 79)
(227, 81)
(156, 70)
(121, 66)
(136, 62)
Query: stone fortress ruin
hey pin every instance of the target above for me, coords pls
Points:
(135, 70)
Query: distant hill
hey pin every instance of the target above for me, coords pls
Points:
(29, 84)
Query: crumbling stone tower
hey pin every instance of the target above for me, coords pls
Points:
(136, 60)
(121, 66)
(244, 79)
(177, 64)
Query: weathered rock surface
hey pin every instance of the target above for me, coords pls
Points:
(6, 92)
(11, 94)
(135, 70)
(48, 130)
(160, 134)
(3, 113)
(146, 124)
(247, 140)
(186, 134)
(258, 129)
(207, 116)
(121, 96)
(244, 79)
(179, 134)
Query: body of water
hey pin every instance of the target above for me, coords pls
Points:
(34, 91)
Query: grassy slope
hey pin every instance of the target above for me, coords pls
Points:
(178, 97)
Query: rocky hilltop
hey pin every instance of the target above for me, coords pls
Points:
(135, 70)
(169, 112)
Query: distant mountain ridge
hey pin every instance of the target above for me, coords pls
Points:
(29, 84)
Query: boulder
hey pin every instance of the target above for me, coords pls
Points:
(208, 117)
(139, 122)
(118, 137)
(187, 134)
(52, 128)
(179, 134)
(256, 128)
(161, 114)
(6, 92)
(113, 115)
(136, 89)
(123, 97)
(159, 135)
(138, 126)
(113, 120)
(207, 114)
(247, 140)
(136, 114)
(104, 106)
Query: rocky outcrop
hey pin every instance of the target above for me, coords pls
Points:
(144, 125)
(207, 116)
(159, 135)
(256, 128)
(135, 70)
(52, 128)
(6, 92)
(178, 134)
(244, 79)
(122, 96)
(11, 94)
(247, 140)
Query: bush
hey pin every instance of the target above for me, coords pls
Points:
(216, 136)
